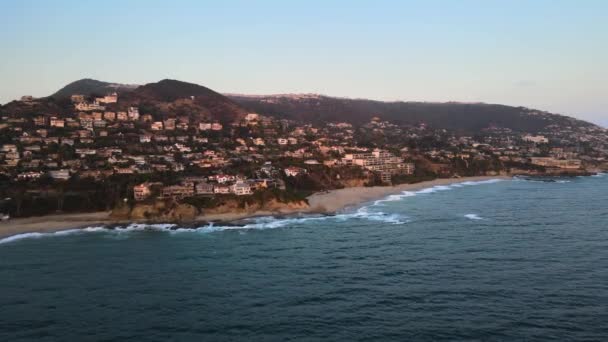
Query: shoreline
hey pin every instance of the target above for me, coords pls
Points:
(326, 202)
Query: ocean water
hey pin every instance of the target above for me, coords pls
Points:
(480, 261)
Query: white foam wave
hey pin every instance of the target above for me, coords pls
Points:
(366, 214)
(473, 217)
(488, 181)
(393, 198)
(36, 235)
(97, 229)
(436, 188)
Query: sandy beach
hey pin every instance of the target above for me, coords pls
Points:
(335, 200)
(322, 202)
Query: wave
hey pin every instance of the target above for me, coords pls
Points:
(97, 229)
(473, 217)
(433, 189)
(365, 214)
(393, 198)
(436, 188)
(266, 222)
(37, 235)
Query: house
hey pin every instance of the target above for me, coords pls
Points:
(538, 139)
(99, 123)
(67, 141)
(222, 179)
(142, 191)
(29, 175)
(59, 174)
(110, 116)
(241, 188)
(122, 116)
(124, 170)
(9, 148)
(84, 106)
(157, 126)
(110, 98)
(252, 117)
(222, 189)
(409, 168)
(133, 113)
(178, 191)
(203, 188)
(169, 124)
(56, 122)
(40, 120)
(294, 171)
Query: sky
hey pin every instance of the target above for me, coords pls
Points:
(545, 54)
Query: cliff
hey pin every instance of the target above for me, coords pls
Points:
(273, 205)
(161, 211)
(158, 211)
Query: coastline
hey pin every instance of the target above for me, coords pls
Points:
(326, 202)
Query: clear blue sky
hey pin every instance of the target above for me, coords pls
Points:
(547, 54)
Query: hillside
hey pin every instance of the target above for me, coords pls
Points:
(169, 98)
(469, 117)
(87, 86)
(166, 98)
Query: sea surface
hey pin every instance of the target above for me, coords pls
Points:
(512, 260)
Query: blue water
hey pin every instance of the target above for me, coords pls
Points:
(493, 261)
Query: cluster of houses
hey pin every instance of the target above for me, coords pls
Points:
(102, 138)
(204, 186)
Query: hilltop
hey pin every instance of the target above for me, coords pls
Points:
(183, 98)
(88, 86)
(166, 98)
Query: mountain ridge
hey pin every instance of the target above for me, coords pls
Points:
(185, 97)
(465, 116)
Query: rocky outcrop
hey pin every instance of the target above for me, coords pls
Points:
(232, 206)
(161, 211)
(157, 211)
(551, 173)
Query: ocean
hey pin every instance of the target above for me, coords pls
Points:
(494, 260)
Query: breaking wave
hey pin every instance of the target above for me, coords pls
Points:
(267, 222)
(393, 198)
(473, 217)
(36, 235)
